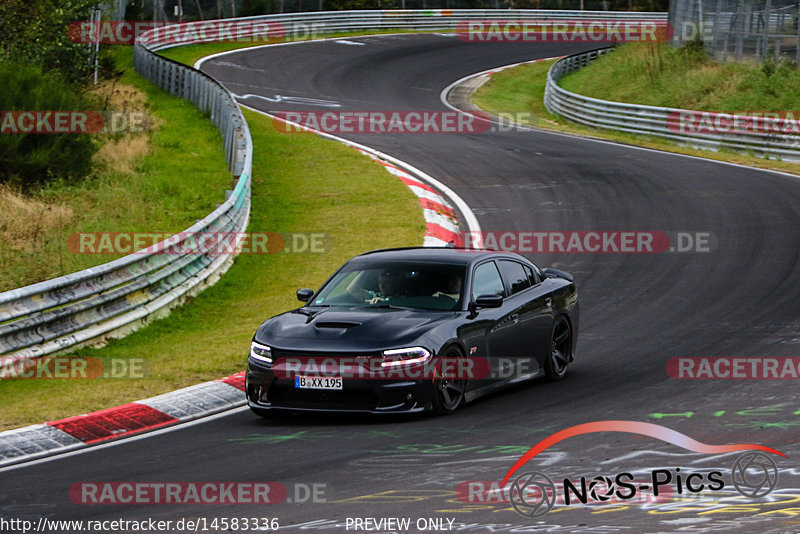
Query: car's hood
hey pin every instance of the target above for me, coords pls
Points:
(335, 329)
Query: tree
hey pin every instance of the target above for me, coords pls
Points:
(36, 32)
(29, 160)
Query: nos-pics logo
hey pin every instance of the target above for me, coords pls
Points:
(532, 494)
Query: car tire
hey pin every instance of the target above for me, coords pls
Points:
(448, 392)
(559, 352)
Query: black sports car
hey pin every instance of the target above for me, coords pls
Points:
(412, 329)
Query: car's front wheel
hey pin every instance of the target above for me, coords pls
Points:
(560, 349)
(448, 388)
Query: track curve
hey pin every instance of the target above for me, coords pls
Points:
(638, 311)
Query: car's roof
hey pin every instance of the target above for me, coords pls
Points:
(434, 254)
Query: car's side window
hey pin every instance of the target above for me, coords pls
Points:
(515, 276)
(533, 278)
(487, 281)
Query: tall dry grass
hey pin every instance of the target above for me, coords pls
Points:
(25, 222)
(32, 237)
(122, 153)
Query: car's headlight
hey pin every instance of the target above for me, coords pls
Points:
(405, 356)
(260, 352)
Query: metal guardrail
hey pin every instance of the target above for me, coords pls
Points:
(112, 299)
(708, 130)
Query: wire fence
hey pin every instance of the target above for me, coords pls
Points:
(739, 29)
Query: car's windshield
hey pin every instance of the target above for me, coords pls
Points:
(419, 285)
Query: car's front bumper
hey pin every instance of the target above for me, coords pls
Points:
(266, 391)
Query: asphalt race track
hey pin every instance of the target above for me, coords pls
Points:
(740, 299)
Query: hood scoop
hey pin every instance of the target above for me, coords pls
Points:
(336, 324)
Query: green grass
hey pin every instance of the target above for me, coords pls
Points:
(182, 178)
(652, 75)
(519, 90)
(337, 191)
(657, 74)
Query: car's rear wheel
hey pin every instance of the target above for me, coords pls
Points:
(448, 388)
(560, 349)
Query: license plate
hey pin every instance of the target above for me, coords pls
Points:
(318, 382)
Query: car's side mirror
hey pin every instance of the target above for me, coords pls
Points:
(489, 301)
(305, 294)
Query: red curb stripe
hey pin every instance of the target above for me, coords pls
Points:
(408, 181)
(236, 380)
(387, 164)
(433, 229)
(437, 231)
(429, 204)
(113, 422)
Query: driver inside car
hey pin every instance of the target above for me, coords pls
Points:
(390, 285)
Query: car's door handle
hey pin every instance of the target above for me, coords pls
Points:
(514, 318)
(549, 302)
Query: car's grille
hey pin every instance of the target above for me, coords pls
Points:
(285, 395)
(319, 356)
